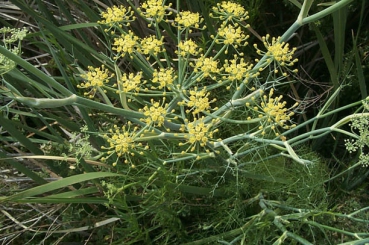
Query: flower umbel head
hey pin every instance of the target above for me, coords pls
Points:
(151, 45)
(126, 43)
(187, 20)
(237, 69)
(131, 82)
(121, 141)
(278, 52)
(155, 114)
(164, 77)
(117, 16)
(95, 78)
(199, 133)
(273, 112)
(207, 66)
(154, 10)
(199, 101)
(12, 35)
(231, 35)
(227, 10)
(11, 38)
(188, 47)
(360, 127)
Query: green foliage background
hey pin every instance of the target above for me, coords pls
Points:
(266, 199)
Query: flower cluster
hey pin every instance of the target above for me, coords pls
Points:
(95, 78)
(11, 38)
(187, 19)
(237, 69)
(199, 133)
(278, 52)
(165, 77)
(231, 35)
(199, 101)
(155, 114)
(183, 69)
(188, 47)
(154, 10)
(126, 43)
(122, 141)
(230, 11)
(131, 82)
(117, 16)
(151, 45)
(273, 112)
(361, 143)
(207, 66)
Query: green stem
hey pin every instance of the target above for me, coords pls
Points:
(325, 227)
(325, 12)
(105, 97)
(103, 107)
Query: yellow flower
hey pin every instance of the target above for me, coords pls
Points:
(277, 51)
(231, 35)
(230, 11)
(154, 10)
(188, 47)
(95, 77)
(199, 101)
(165, 77)
(273, 111)
(187, 19)
(121, 141)
(155, 114)
(207, 66)
(127, 43)
(237, 71)
(151, 45)
(117, 15)
(199, 133)
(131, 82)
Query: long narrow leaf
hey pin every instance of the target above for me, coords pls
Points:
(76, 193)
(339, 23)
(8, 125)
(18, 166)
(58, 184)
(360, 72)
(327, 57)
(36, 72)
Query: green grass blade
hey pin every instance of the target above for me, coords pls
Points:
(62, 6)
(36, 72)
(18, 166)
(296, 3)
(339, 24)
(8, 125)
(66, 121)
(88, 200)
(77, 200)
(359, 71)
(16, 81)
(58, 185)
(359, 68)
(82, 52)
(78, 26)
(76, 193)
(52, 137)
(91, 14)
(327, 57)
(45, 11)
